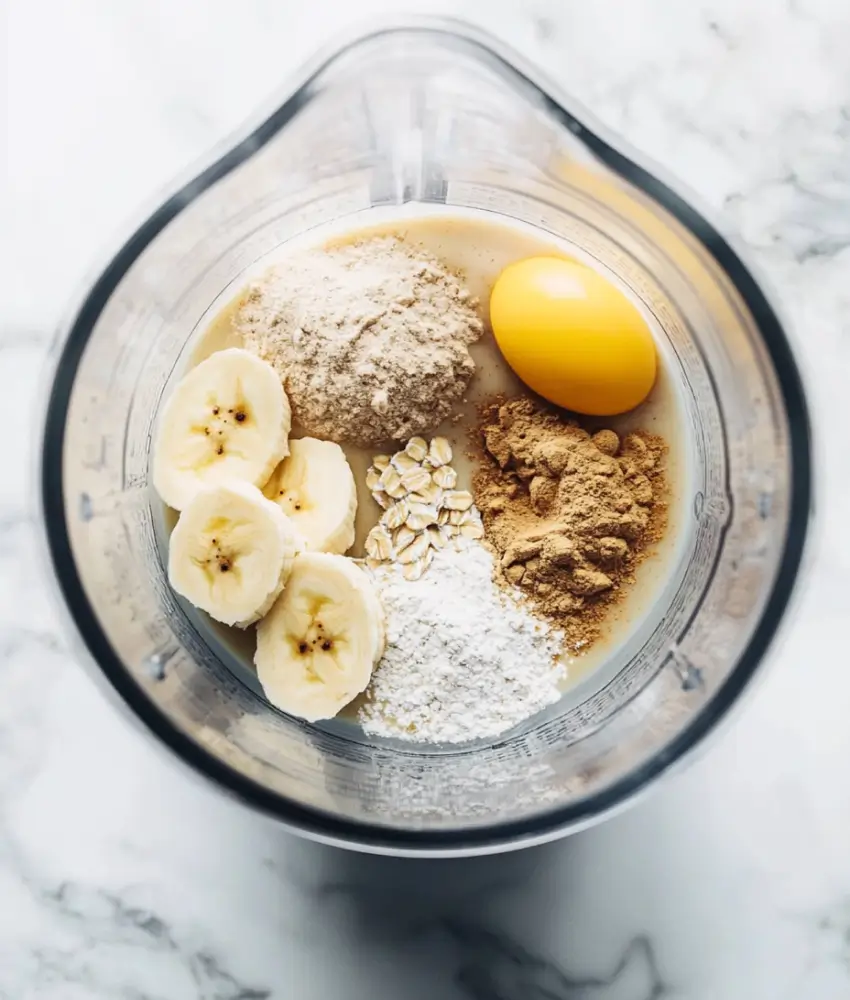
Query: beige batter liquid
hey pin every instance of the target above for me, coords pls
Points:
(480, 248)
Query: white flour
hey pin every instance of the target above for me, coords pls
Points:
(463, 660)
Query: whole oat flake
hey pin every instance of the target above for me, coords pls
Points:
(569, 513)
(371, 338)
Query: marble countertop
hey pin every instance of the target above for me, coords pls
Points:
(120, 879)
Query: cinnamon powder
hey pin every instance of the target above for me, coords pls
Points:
(570, 514)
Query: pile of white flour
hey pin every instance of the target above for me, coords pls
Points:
(463, 661)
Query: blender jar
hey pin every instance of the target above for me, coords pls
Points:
(430, 113)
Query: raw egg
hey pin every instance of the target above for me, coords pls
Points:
(572, 337)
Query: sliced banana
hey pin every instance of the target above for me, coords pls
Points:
(315, 487)
(317, 646)
(231, 553)
(227, 419)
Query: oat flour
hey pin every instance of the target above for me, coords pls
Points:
(371, 338)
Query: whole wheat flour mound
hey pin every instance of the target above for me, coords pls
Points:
(370, 338)
(569, 514)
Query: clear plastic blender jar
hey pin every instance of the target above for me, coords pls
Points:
(431, 114)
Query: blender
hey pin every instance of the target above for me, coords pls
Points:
(430, 113)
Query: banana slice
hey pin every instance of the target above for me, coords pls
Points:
(317, 646)
(231, 552)
(316, 489)
(227, 419)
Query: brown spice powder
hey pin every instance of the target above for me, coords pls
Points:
(569, 513)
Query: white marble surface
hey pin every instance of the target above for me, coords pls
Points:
(119, 878)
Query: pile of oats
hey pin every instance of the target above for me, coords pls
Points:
(423, 510)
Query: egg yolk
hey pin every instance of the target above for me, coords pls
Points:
(572, 337)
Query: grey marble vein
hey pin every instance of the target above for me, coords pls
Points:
(494, 967)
